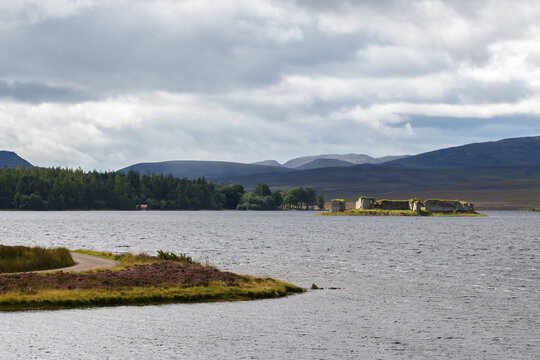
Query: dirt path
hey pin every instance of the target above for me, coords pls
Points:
(85, 263)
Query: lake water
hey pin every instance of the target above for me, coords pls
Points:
(426, 288)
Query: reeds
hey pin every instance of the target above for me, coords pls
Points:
(23, 258)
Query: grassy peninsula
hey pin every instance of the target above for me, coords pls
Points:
(137, 280)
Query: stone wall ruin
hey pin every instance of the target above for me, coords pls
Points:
(392, 204)
(432, 205)
(338, 205)
(365, 203)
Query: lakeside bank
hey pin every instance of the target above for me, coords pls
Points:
(137, 280)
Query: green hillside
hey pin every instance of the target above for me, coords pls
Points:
(507, 152)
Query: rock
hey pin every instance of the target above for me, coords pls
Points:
(314, 287)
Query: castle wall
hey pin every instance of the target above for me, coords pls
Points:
(415, 206)
(338, 205)
(365, 203)
(448, 206)
(432, 205)
(392, 204)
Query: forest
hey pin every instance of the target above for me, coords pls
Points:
(67, 189)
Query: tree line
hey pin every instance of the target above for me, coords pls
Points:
(68, 189)
(262, 198)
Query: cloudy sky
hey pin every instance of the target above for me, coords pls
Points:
(103, 84)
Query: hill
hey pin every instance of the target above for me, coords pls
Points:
(267, 163)
(323, 163)
(12, 160)
(507, 152)
(352, 158)
(211, 170)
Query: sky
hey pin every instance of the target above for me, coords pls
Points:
(105, 84)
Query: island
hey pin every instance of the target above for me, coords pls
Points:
(131, 279)
(369, 206)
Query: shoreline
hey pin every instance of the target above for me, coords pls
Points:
(135, 280)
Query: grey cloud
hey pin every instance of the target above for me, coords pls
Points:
(534, 58)
(113, 49)
(439, 132)
(104, 52)
(479, 92)
(37, 93)
(338, 6)
(520, 125)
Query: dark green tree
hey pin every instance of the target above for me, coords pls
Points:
(277, 196)
(310, 197)
(230, 195)
(262, 190)
(320, 202)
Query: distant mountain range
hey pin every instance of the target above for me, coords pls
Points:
(267, 163)
(226, 171)
(508, 152)
(354, 159)
(320, 163)
(11, 160)
(501, 174)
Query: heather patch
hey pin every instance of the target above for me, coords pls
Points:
(165, 273)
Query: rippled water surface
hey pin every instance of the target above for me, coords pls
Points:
(433, 288)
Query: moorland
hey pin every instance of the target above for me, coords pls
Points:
(138, 279)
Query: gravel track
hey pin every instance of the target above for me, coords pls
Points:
(85, 263)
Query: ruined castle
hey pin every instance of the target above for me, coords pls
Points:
(431, 205)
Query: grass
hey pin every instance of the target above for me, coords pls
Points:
(24, 258)
(101, 254)
(455, 214)
(138, 280)
(380, 212)
(215, 291)
(125, 259)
